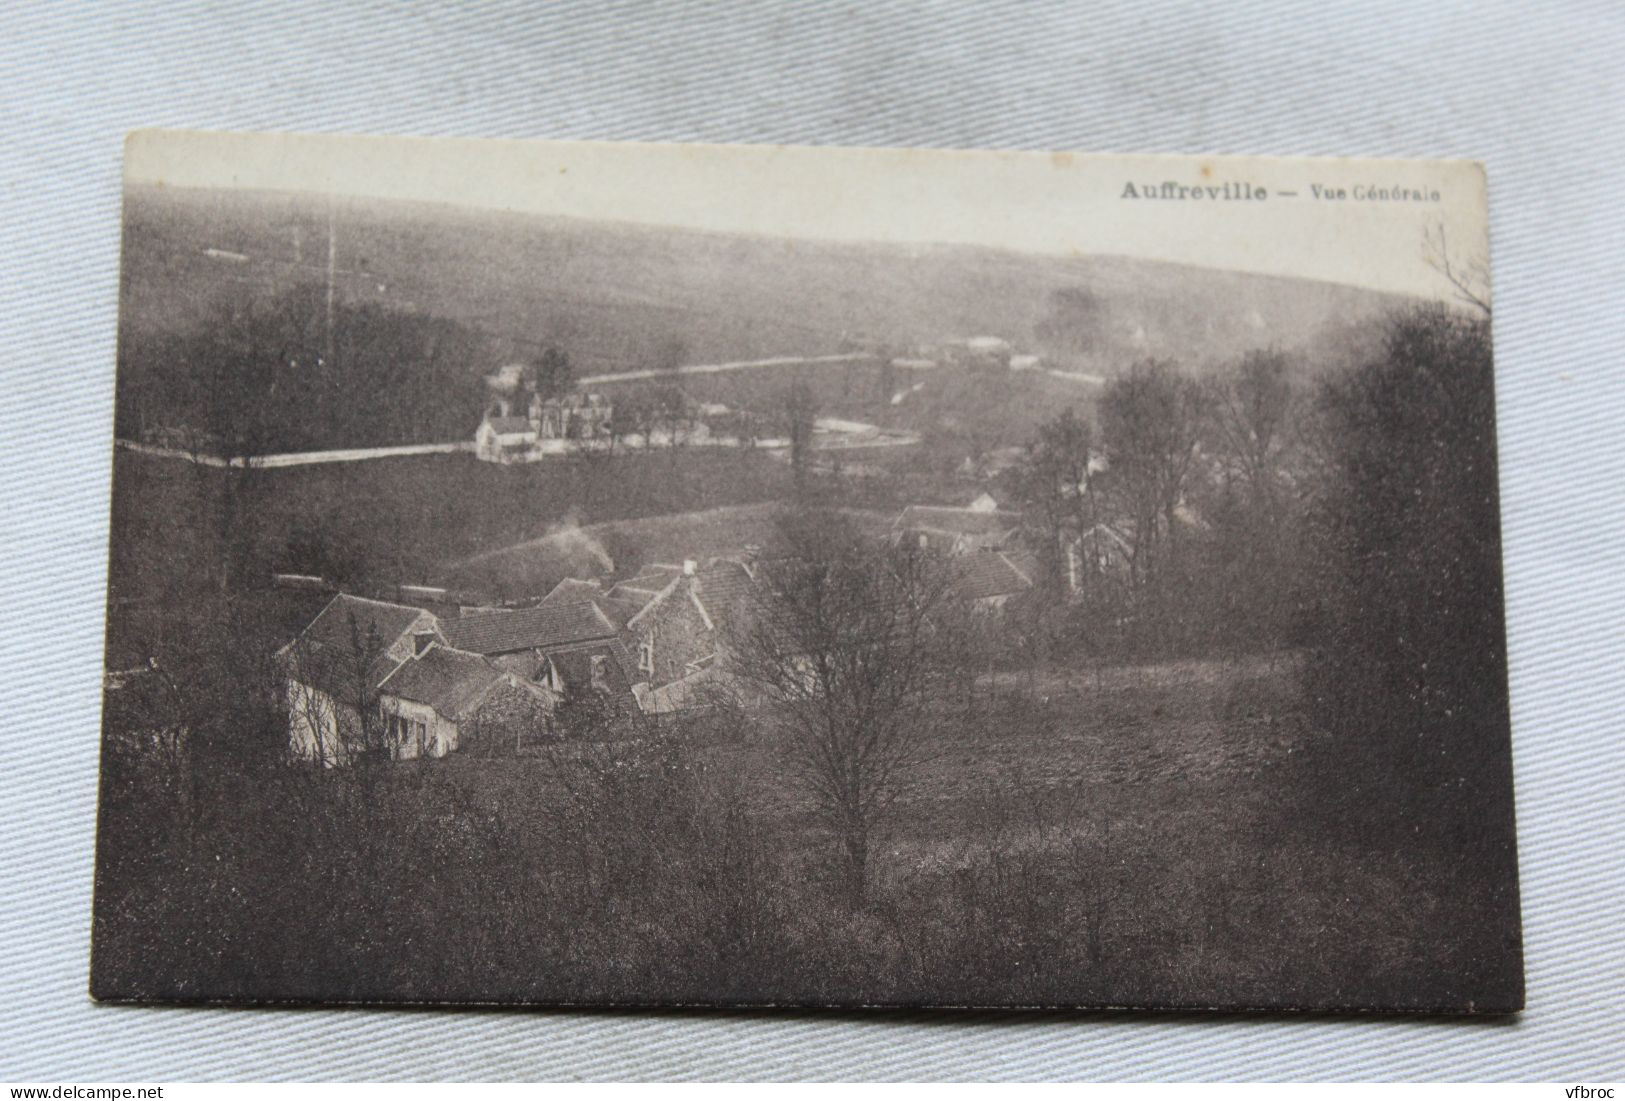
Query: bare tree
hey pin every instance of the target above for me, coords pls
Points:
(673, 412)
(844, 647)
(800, 414)
(1152, 419)
(1252, 564)
(332, 696)
(553, 375)
(1252, 409)
(630, 416)
(1469, 275)
(1056, 488)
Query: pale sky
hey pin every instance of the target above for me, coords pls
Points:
(1057, 204)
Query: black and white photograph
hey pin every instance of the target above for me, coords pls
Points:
(593, 574)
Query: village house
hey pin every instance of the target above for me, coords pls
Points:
(677, 624)
(506, 436)
(987, 580)
(658, 642)
(504, 439)
(946, 530)
(567, 647)
(333, 668)
(571, 417)
(369, 675)
(674, 631)
(440, 698)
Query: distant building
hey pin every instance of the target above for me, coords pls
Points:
(501, 439)
(504, 436)
(987, 464)
(506, 379)
(977, 353)
(1098, 553)
(571, 417)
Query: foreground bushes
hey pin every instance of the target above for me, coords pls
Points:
(674, 869)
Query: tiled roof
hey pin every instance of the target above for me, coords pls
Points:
(1026, 562)
(332, 626)
(957, 521)
(571, 591)
(698, 689)
(333, 671)
(986, 574)
(634, 594)
(325, 654)
(450, 681)
(724, 580)
(726, 588)
(575, 665)
(528, 628)
(619, 612)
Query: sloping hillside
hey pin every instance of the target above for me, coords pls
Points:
(619, 296)
(622, 547)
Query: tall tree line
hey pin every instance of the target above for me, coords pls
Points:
(1267, 504)
(258, 378)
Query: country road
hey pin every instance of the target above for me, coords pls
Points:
(719, 368)
(1076, 376)
(829, 433)
(303, 458)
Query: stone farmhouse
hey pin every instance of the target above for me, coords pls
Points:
(443, 698)
(428, 678)
(335, 664)
(401, 680)
(373, 676)
(677, 623)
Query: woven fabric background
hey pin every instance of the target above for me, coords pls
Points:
(1536, 91)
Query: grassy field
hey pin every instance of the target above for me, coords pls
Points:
(405, 519)
(1140, 835)
(1117, 833)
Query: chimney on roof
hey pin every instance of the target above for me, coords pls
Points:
(689, 566)
(421, 641)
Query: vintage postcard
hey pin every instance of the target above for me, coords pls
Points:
(595, 574)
